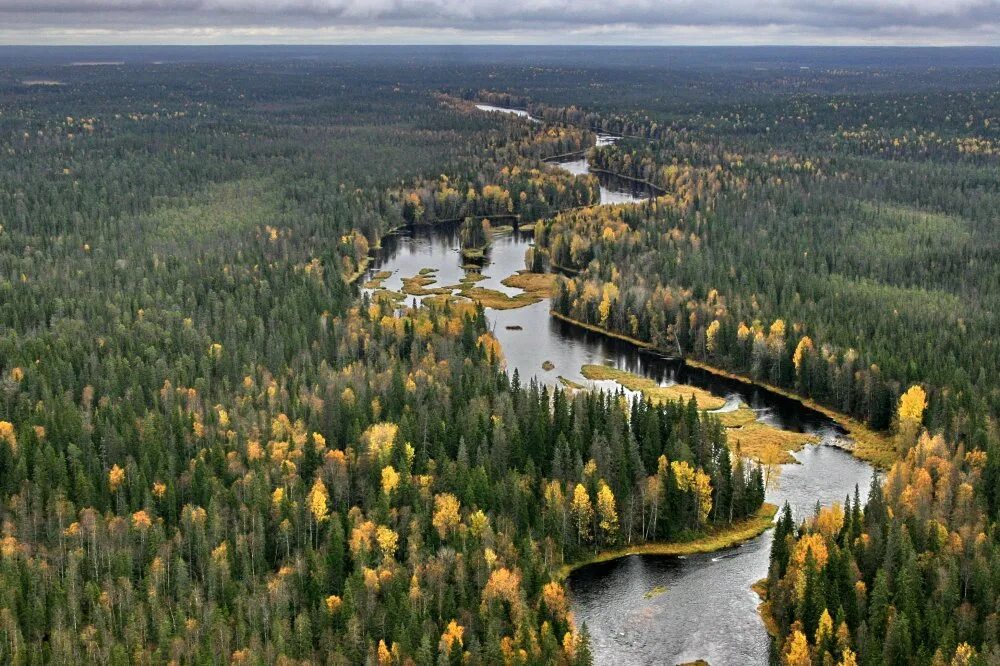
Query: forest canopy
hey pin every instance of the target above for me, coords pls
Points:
(216, 447)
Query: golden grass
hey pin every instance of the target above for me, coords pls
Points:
(651, 389)
(570, 384)
(715, 538)
(388, 295)
(739, 417)
(460, 307)
(763, 442)
(377, 280)
(537, 284)
(474, 254)
(874, 447)
(417, 285)
(491, 298)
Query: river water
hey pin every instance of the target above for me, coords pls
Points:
(708, 610)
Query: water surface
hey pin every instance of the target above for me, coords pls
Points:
(708, 610)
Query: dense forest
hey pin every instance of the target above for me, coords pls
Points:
(758, 255)
(842, 248)
(214, 447)
(856, 267)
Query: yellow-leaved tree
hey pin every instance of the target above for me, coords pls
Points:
(583, 512)
(801, 350)
(379, 438)
(8, 435)
(390, 480)
(703, 491)
(452, 636)
(115, 478)
(387, 540)
(910, 415)
(912, 404)
(797, 652)
(318, 501)
(607, 512)
(711, 333)
(608, 297)
(446, 514)
(491, 347)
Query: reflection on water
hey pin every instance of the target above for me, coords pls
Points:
(708, 610)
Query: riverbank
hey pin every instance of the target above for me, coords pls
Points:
(871, 446)
(601, 331)
(365, 263)
(717, 538)
(362, 269)
(640, 181)
(764, 608)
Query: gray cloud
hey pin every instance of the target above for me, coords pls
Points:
(895, 21)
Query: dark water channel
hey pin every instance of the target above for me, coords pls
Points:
(708, 610)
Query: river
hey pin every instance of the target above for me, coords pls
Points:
(708, 610)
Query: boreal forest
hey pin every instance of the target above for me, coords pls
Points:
(233, 430)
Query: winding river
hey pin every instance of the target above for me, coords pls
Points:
(708, 610)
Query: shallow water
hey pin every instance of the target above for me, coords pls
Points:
(708, 610)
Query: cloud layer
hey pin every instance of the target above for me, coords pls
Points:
(533, 21)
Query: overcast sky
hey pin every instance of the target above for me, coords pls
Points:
(901, 22)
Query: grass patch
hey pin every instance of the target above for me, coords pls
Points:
(570, 384)
(377, 280)
(874, 447)
(457, 305)
(472, 277)
(759, 441)
(417, 285)
(474, 255)
(537, 284)
(715, 538)
(491, 298)
(548, 365)
(651, 389)
(382, 295)
(655, 592)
